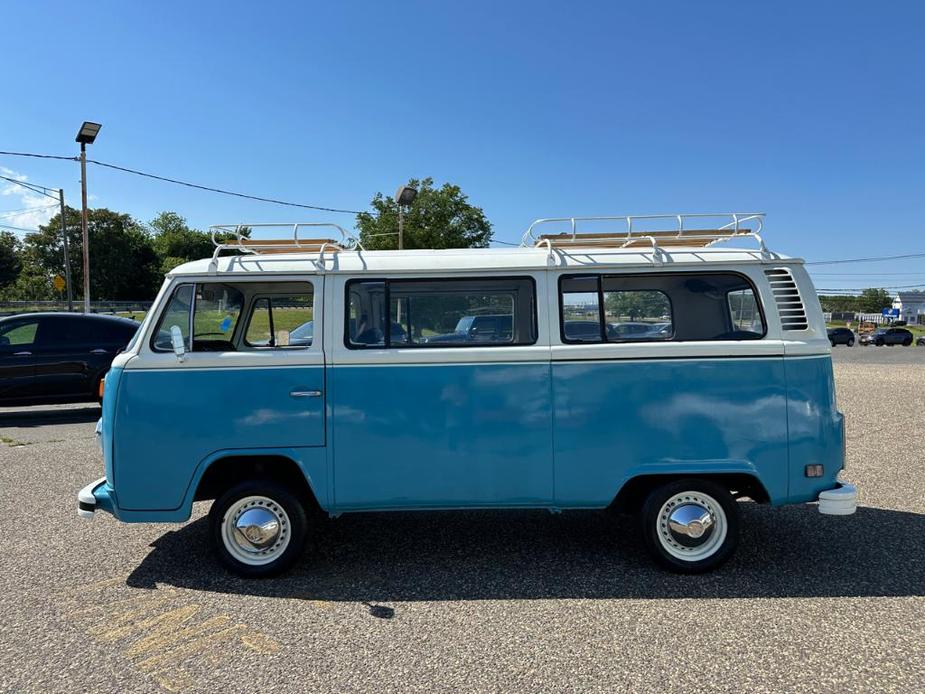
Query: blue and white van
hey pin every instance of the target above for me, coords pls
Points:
(663, 373)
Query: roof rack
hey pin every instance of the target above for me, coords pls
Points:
(683, 235)
(244, 244)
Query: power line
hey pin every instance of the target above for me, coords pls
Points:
(26, 210)
(9, 226)
(868, 260)
(184, 183)
(38, 156)
(223, 192)
(861, 289)
(34, 187)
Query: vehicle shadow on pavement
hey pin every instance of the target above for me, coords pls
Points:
(48, 417)
(487, 555)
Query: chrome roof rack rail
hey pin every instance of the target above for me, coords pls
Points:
(687, 231)
(246, 245)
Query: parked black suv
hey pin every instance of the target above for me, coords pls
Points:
(58, 357)
(841, 336)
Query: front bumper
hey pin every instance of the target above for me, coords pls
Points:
(95, 495)
(840, 501)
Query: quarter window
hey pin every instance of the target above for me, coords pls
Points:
(476, 312)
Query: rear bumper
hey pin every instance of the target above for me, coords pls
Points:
(96, 495)
(840, 501)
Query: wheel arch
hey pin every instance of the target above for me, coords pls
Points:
(223, 471)
(633, 492)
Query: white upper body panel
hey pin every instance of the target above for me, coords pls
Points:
(543, 265)
(473, 259)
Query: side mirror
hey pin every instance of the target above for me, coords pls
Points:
(176, 339)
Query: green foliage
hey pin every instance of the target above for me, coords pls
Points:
(176, 243)
(438, 218)
(873, 300)
(636, 304)
(123, 262)
(839, 303)
(10, 262)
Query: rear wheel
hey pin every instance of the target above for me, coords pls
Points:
(258, 528)
(851, 342)
(690, 525)
(907, 342)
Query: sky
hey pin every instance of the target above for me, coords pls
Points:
(812, 112)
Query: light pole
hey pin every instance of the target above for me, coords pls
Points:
(405, 195)
(85, 136)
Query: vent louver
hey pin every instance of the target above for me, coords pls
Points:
(787, 296)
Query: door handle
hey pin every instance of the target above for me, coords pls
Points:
(22, 354)
(305, 393)
(97, 351)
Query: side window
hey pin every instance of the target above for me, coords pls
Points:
(743, 311)
(19, 334)
(659, 307)
(441, 313)
(366, 314)
(635, 314)
(176, 314)
(215, 315)
(281, 321)
(581, 309)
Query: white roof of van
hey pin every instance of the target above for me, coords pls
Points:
(470, 259)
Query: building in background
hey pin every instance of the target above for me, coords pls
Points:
(911, 307)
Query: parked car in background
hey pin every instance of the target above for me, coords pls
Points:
(888, 336)
(478, 329)
(58, 357)
(841, 336)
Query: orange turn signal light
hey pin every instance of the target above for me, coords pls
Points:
(102, 385)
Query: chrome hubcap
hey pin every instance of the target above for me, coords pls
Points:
(691, 526)
(255, 530)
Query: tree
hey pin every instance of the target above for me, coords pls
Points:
(438, 218)
(123, 262)
(872, 300)
(10, 263)
(176, 243)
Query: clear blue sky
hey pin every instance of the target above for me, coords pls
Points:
(812, 112)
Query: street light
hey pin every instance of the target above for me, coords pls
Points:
(85, 136)
(405, 195)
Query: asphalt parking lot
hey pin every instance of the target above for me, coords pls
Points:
(473, 601)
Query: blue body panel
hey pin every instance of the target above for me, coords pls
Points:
(817, 428)
(442, 436)
(169, 422)
(110, 397)
(618, 419)
(537, 434)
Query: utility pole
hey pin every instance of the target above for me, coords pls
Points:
(67, 258)
(85, 136)
(83, 225)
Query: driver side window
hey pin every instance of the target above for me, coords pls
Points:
(216, 308)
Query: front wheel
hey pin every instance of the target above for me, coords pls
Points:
(258, 528)
(690, 525)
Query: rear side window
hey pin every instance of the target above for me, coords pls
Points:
(659, 308)
(474, 312)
